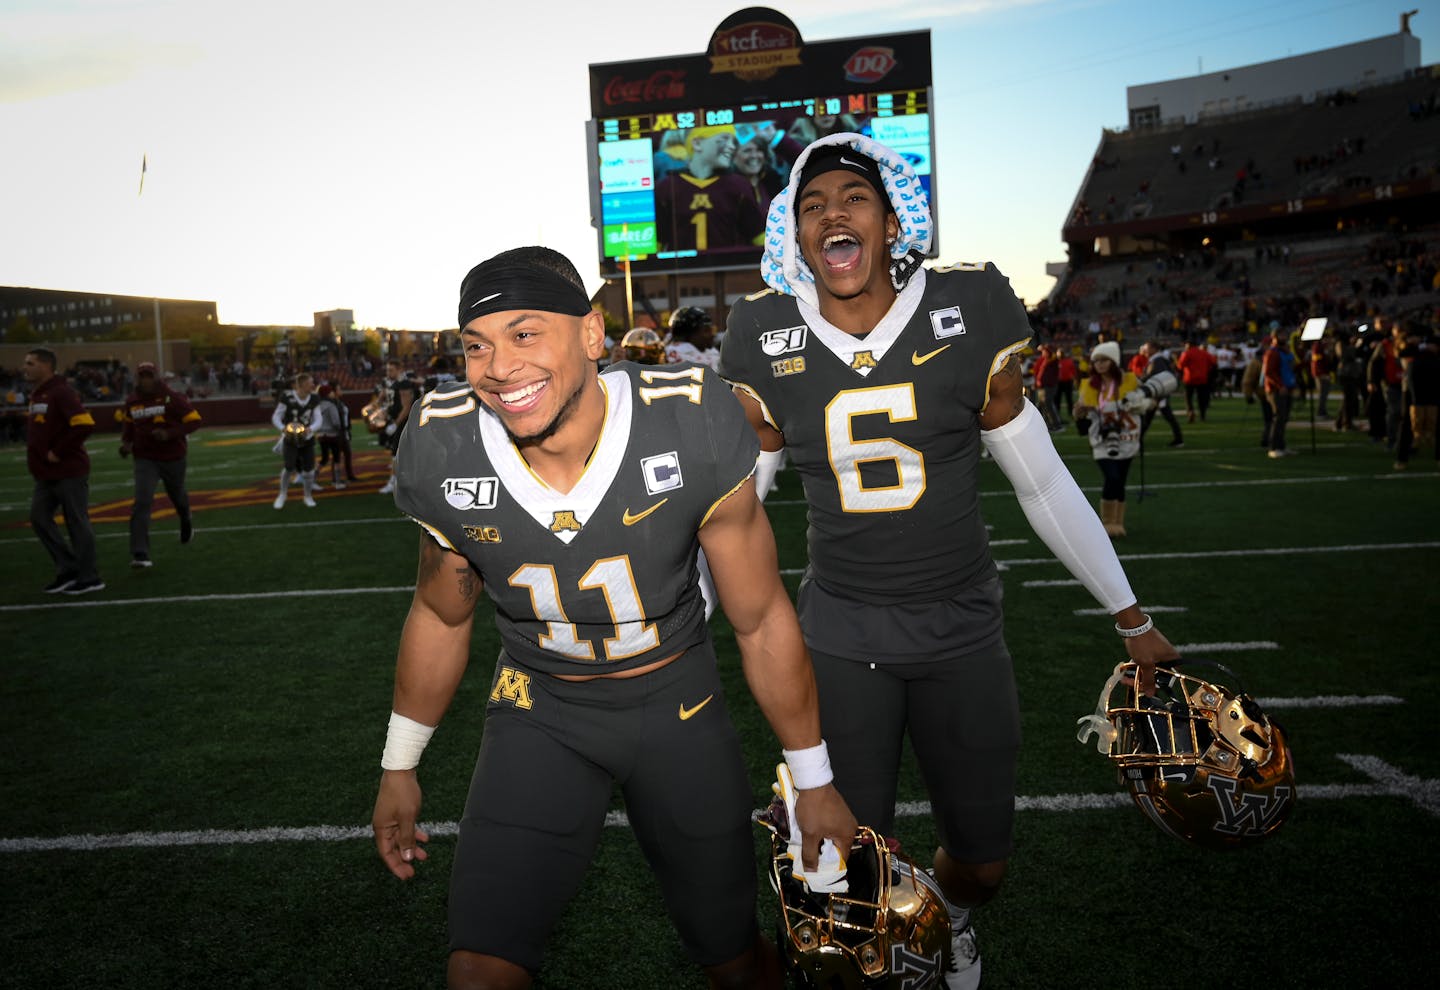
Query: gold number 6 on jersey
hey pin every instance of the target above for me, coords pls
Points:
(897, 403)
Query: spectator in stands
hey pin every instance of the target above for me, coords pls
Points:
(1278, 376)
(1155, 360)
(55, 454)
(1196, 366)
(156, 425)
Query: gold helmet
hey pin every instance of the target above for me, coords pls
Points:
(1202, 761)
(295, 432)
(643, 346)
(890, 929)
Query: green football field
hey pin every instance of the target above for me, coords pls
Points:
(188, 758)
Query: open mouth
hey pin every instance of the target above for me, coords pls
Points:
(841, 252)
(520, 398)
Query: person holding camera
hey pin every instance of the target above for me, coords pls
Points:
(1112, 406)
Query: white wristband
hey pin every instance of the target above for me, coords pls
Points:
(809, 767)
(1139, 630)
(404, 742)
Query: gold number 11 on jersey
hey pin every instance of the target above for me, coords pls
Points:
(611, 576)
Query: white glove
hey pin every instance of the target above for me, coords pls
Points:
(829, 875)
(390, 429)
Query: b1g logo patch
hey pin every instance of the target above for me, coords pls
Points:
(947, 322)
(777, 342)
(662, 473)
(471, 493)
(787, 366)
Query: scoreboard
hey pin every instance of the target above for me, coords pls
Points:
(687, 152)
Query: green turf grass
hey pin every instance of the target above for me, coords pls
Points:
(270, 712)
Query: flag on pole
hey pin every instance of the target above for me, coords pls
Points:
(144, 163)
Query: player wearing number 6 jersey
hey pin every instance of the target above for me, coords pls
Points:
(579, 501)
(883, 381)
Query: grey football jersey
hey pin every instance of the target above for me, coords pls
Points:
(603, 576)
(884, 429)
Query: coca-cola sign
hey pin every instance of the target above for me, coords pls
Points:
(660, 86)
(870, 64)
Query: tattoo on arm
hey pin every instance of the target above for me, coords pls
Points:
(432, 560)
(1010, 372)
(435, 562)
(469, 585)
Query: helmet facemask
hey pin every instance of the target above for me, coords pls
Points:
(1203, 761)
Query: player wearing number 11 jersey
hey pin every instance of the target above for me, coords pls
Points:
(883, 381)
(578, 502)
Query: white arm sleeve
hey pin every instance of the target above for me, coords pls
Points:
(766, 467)
(1057, 509)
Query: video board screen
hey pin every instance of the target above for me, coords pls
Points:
(682, 179)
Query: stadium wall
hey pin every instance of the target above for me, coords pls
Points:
(1301, 78)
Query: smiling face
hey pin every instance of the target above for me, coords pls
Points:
(750, 159)
(715, 152)
(843, 233)
(536, 371)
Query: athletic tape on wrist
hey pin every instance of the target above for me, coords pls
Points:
(809, 767)
(404, 742)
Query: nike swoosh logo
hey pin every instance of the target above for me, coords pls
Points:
(631, 520)
(493, 295)
(685, 713)
(849, 162)
(917, 359)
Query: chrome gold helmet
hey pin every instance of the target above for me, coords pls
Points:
(643, 346)
(889, 930)
(1201, 760)
(295, 432)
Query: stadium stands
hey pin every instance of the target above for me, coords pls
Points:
(1220, 227)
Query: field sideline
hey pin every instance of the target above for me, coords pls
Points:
(190, 756)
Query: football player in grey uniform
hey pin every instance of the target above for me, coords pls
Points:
(578, 502)
(884, 381)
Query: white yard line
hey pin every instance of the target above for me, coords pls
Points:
(1388, 782)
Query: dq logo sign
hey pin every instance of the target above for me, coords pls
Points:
(870, 64)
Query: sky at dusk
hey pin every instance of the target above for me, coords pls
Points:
(306, 155)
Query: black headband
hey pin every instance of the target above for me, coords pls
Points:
(498, 286)
(830, 157)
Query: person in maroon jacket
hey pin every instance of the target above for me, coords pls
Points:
(55, 454)
(156, 424)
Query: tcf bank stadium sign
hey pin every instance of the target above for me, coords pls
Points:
(754, 50)
(758, 54)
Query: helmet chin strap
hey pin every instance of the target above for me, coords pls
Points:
(1099, 723)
